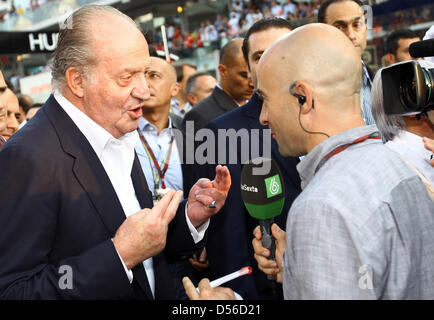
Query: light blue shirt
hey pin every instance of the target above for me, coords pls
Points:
(159, 143)
(365, 97)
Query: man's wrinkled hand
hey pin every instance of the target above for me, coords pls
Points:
(143, 234)
(205, 192)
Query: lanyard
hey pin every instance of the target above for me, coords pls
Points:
(160, 172)
(341, 148)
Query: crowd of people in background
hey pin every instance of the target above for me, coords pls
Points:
(18, 9)
(242, 16)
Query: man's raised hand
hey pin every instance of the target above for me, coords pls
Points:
(143, 234)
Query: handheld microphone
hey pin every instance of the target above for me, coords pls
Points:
(421, 49)
(263, 196)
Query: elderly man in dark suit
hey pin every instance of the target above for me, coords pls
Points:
(234, 89)
(75, 217)
(230, 233)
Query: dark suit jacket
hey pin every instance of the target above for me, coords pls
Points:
(58, 207)
(187, 169)
(209, 108)
(230, 234)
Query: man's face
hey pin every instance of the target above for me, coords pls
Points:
(115, 89)
(8, 109)
(204, 87)
(348, 17)
(22, 115)
(32, 112)
(280, 109)
(187, 71)
(161, 79)
(238, 81)
(258, 43)
(402, 53)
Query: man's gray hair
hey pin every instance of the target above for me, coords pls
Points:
(74, 47)
(191, 86)
(389, 125)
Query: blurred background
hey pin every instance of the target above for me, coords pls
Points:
(182, 31)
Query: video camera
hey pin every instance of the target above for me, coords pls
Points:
(408, 87)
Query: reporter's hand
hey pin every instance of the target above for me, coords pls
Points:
(143, 234)
(429, 144)
(206, 292)
(261, 254)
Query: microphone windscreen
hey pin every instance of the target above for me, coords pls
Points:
(262, 188)
(422, 49)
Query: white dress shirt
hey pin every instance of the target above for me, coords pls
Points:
(117, 157)
(411, 147)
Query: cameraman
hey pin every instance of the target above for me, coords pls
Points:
(404, 135)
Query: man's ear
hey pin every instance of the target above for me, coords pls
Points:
(302, 88)
(222, 71)
(74, 81)
(192, 99)
(390, 58)
(175, 89)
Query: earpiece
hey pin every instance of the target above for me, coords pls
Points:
(301, 99)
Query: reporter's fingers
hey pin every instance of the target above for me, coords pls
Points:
(171, 209)
(278, 233)
(266, 266)
(257, 233)
(190, 289)
(259, 249)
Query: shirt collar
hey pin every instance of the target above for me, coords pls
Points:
(366, 78)
(313, 161)
(97, 136)
(145, 125)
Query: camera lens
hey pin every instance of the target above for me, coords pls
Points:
(409, 94)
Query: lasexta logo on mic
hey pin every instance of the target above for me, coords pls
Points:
(273, 186)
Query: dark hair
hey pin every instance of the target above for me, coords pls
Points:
(191, 82)
(393, 38)
(180, 70)
(25, 102)
(9, 84)
(323, 8)
(261, 25)
(153, 51)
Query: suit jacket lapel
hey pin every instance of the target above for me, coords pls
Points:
(87, 168)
